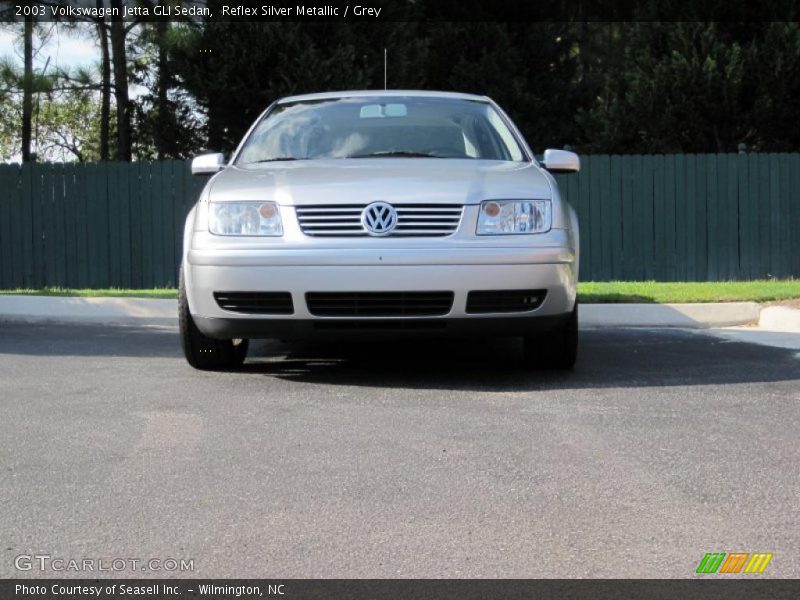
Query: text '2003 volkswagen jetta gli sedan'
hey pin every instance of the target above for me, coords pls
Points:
(373, 213)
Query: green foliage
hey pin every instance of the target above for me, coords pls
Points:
(235, 70)
(66, 115)
(10, 128)
(776, 71)
(694, 87)
(764, 290)
(12, 79)
(603, 87)
(66, 128)
(69, 128)
(610, 87)
(171, 128)
(528, 68)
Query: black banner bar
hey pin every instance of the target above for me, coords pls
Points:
(376, 11)
(405, 589)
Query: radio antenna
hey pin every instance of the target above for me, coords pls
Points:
(384, 68)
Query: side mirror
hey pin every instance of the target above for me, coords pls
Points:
(208, 164)
(561, 161)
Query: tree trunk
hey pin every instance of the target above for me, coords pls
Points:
(121, 83)
(105, 86)
(162, 102)
(27, 90)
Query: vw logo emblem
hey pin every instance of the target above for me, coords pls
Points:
(379, 218)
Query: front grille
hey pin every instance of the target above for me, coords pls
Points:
(379, 304)
(256, 303)
(413, 220)
(501, 301)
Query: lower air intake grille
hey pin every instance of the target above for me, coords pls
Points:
(502, 301)
(380, 325)
(256, 303)
(379, 304)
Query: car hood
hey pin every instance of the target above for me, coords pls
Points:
(394, 180)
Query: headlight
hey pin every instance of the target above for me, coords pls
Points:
(245, 218)
(505, 217)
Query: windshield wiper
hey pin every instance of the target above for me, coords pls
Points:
(395, 153)
(277, 159)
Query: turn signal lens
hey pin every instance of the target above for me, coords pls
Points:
(492, 209)
(267, 211)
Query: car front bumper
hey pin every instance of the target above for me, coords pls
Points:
(389, 270)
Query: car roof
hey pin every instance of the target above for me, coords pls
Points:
(382, 93)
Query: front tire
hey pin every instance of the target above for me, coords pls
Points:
(201, 351)
(556, 350)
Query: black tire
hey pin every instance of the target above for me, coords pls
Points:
(555, 350)
(201, 351)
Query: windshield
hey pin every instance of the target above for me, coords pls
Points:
(381, 127)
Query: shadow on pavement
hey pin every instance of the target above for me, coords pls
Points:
(608, 358)
(88, 340)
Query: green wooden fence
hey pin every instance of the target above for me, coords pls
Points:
(688, 217)
(663, 217)
(95, 225)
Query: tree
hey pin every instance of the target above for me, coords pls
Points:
(70, 128)
(26, 83)
(105, 87)
(100, 32)
(643, 86)
(774, 64)
(690, 87)
(165, 117)
(234, 70)
(162, 90)
(67, 125)
(685, 89)
(27, 88)
(529, 68)
(18, 86)
(36, 84)
(120, 64)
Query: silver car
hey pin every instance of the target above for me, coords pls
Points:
(380, 213)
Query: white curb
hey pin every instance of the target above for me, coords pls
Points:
(780, 318)
(694, 316)
(101, 311)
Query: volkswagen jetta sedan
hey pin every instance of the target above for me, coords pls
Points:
(375, 213)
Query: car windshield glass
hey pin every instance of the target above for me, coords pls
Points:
(381, 127)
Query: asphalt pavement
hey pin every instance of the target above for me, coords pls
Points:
(442, 459)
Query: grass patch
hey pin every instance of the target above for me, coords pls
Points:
(765, 290)
(593, 292)
(103, 293)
